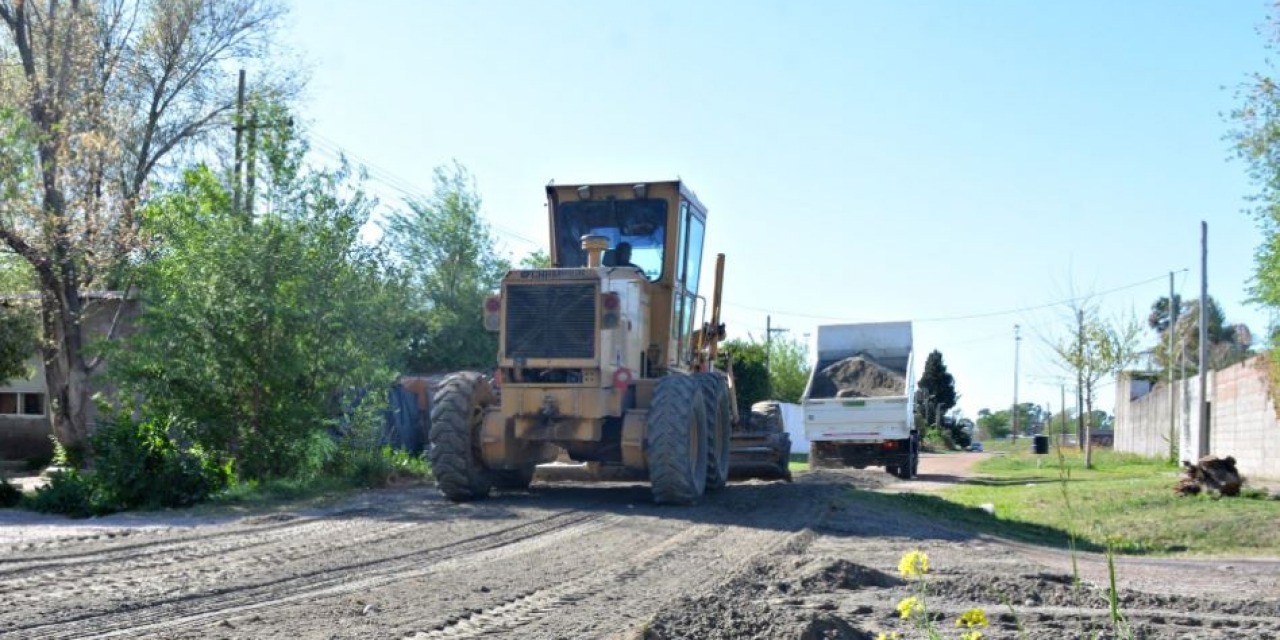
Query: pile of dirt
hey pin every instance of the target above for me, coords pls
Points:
(1210, 474)
(859, 376)
(720, 617)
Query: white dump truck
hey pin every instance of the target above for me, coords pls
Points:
(858, 409)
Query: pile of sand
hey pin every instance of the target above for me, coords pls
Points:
(859, 376)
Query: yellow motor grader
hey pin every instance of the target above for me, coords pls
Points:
(607, 357)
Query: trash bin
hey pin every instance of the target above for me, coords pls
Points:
(1040, 444)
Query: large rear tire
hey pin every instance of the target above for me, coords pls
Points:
(677, 441)
(719, 410)
(457, 412)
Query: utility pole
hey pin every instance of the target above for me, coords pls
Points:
(1062, 437)
(1173, 397)
(239, 128)
(1080, 378)
(769, 330)
(252, 174)
(1204, 338)
(1017, 342)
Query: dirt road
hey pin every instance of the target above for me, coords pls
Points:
(811, 559)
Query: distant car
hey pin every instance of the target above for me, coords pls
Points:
(977, 446)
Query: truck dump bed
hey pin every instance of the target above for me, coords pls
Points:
(861, 387)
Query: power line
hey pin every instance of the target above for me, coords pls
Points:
(989, 314)
(397, 183)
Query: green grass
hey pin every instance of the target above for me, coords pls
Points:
(799, 462)
(1126, 499)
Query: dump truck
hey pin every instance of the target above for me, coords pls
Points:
(857, 403)
(605, 358)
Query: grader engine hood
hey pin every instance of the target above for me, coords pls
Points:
(551, 317)
(568, 326)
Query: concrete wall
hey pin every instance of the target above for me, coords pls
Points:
(1243, 420)
(27, 436)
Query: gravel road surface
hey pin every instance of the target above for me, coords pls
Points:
(812, 559)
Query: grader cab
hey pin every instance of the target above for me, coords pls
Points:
(608, 356)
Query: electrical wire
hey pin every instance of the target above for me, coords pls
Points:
(990, 314)
(399, 184)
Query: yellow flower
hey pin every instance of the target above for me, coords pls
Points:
(889, 636)
(915, 563)
(909, 606)
(973, 618)
(972, 635)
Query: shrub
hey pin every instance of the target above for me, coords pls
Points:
(148, 464)
(71, 493)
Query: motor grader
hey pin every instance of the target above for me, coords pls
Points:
(608, 357)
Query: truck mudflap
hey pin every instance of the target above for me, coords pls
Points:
(891, 454)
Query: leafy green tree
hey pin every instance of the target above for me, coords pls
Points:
(1256, 140)
(936, 390)
(1228, 343)
(252, 331)
(750, 376)
(539, 259)
(18, 341)
(788, 368)
(996, 424)
(450, 256)
(1092, 350)
(103, 96)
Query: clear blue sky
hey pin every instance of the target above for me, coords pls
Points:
(861, 161)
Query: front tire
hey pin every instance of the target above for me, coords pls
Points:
(457, 412)
(715, 394)
(677, 441)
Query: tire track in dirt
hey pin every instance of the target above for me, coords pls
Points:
(158, 555)
(529, 606)
(319, 582)
(739, 528)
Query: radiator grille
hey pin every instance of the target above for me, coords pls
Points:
(551, 321)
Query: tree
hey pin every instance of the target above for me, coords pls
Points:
(1228, 343)
(750, 376)
(1163, 313)
(1093, 350)
(18, 321)
(788, 369)
(995, 425)
(108, 92)
(451, 258)
(250, 331)
(936, 391)
(1256, 140)
(17, 341)
(539, 259)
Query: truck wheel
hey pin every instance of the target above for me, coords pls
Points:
(677, 440)
(907, 471)
(715, 394)
(514, 479)
(456, 414)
